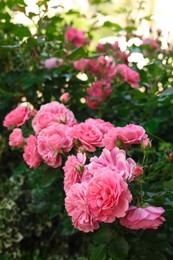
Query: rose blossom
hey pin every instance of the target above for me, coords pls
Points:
(53, 112)
(103, 67)
(103, 126)
(115, 160)
(81, 64)
(31, 155)
(108, 196)
(77, 207)
(76, 36)
(89, 172)
(73, 170)
(16, 137)
(151, 42)
(129, 75)
(114, 49)
(129, 134)
(143, 218)
(89, 136)
(97, 93)
(16, 117)
(104, 47)
(64, 97)
(53, 141)
(52, 63)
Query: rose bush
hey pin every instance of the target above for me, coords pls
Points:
(96, 179)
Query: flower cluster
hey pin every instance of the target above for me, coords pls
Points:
(104, 68)
(96, 186)
(76, 37)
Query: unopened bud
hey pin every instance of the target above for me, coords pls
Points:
(64, 97)
(146, 143)
(137, 171)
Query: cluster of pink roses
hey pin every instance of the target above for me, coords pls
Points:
(76, 37)
(96, 190)
(105, 68)
(114, 50)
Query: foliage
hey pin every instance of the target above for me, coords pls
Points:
(33, 220)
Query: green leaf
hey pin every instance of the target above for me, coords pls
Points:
(20, 169)
(96, 55)
(168, 184)
(48, 178)
(53, 212)
(100, 1)
(77, 54)
(103, 235)
(115, 26)
(41, 207)
(99, 253)
(147, 17)
(130, 29)
(17, 45)
(167, 92)
(118, 248)
(151, 125)
(31, 15)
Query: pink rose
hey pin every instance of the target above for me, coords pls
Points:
(101, 47)
(53, 141)
(108, 196)
(97, 93)
(151, 42)
(16, 137)
(103, 126)
(115, 51)
(104, 47)
(103, 67)
(31, 155)
(89, 136)
(52, 63)
(73, 170)
(123, 56)
(81, 64)
(143, 218)
(115, 160)
(129, 75)
(53, 112)
(89, 172)
(75, 36)
(16, 117)
(64, 98)
(129, 134)
(77, 207)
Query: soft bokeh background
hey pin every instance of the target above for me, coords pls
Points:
(160, 11)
